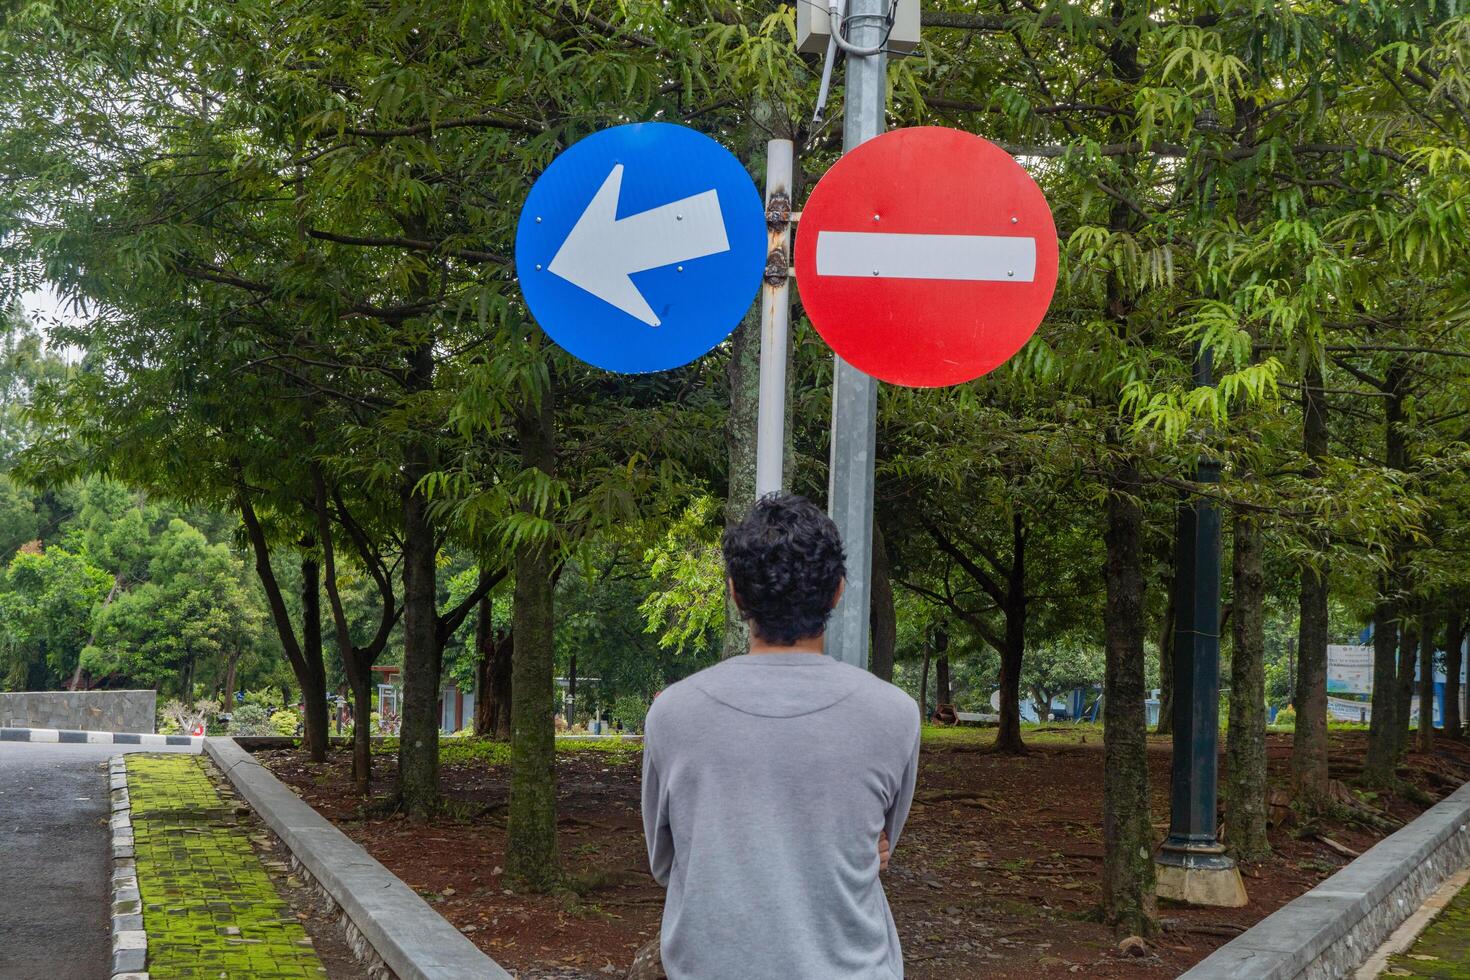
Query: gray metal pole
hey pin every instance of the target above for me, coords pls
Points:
(770, 443)
(855, 394)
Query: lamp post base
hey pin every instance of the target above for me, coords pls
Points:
(1198, 874)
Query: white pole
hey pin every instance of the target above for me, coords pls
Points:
(855, 394)
(775, 322)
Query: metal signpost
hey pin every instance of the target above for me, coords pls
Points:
(770, 446)
(855, 394)
(640, 247)
(912, 276)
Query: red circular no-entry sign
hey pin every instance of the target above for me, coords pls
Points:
(926, 257)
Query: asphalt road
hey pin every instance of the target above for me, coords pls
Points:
(55, 861)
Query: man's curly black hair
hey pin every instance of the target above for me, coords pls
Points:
(785, 560)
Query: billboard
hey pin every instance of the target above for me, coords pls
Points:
(1341, 709)
(1349, 669)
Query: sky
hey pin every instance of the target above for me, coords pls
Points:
(43, 308)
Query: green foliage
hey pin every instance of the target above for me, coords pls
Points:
(1285, 719)
(285, 722)
(194, 605)
(255, 719)
(688, 608)
(47, 603)
(630, 710)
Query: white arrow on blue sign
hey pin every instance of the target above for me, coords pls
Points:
(641, 247)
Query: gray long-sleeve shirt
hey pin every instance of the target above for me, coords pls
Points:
(766, 782)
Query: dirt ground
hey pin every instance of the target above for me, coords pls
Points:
(997, 874)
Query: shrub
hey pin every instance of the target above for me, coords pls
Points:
(1285, 718)
(266, 698)
(254, 719)
(630, 711)
(184, 718)
(285, 722)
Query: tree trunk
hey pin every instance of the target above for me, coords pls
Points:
(362, 732)
(418, 740)
(1427, 632)
(1408, 655)
(924, 685)
(502, 691)
(1245, 749)
(531, 853)
(1166, 660)
(1387, 726)
(188, 678)
(492, 703)
(571, 702)
(884, 617)
(484, 658)
(1454, 662)
(1128, 899)
(1008, 736)
(1381, 760)
(307, 667)
(1309, 769)
(942, 694)
(232, 665)
(314, 683)
(743, 375)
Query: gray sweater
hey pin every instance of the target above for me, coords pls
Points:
(766, 782)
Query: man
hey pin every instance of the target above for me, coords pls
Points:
(771, 779)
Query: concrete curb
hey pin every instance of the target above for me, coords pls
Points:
(129, 940)
(413, 940)
(256, 742)
(1333, 928)
(64, 737)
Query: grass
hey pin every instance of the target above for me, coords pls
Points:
(209, 908)
(489, 752)
(1052, 733)
(486, 752)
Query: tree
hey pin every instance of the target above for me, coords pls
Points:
(46, 609)
(1246, 746)
(193, 607)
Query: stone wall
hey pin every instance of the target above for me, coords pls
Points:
(1332, 929)
(86, 711)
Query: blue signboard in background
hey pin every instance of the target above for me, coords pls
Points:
(641, 247)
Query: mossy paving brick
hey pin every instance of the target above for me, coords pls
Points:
(197, 873)
(1447, 941)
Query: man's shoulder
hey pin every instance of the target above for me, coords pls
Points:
(892, 701)
(681, 696)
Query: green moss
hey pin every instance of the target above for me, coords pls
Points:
(200, 880)
(1443, 950)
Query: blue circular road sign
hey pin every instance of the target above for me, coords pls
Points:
(641, 247)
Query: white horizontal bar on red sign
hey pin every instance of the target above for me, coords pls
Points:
(972, 258)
